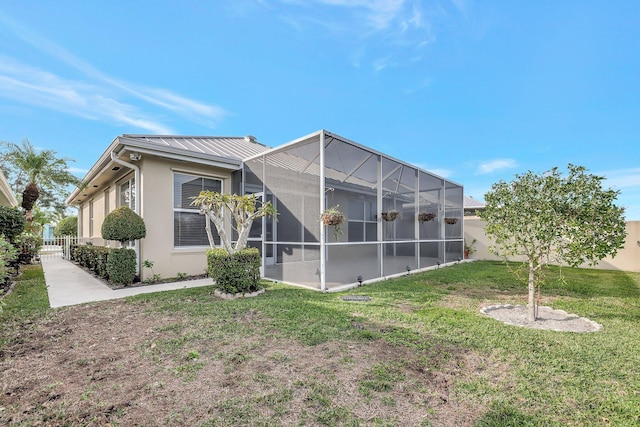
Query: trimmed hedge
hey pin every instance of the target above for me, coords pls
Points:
(116, 265)
(93, 258)
(237, 273)
(121, 266)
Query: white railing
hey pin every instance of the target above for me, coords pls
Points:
(59, 247)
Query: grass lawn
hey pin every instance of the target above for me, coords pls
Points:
(418, 353)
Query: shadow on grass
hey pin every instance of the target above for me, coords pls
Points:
(504, 415)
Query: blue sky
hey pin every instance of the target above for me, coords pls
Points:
(474, 91)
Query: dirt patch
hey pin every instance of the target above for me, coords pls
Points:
(115, 363)
(548, 318)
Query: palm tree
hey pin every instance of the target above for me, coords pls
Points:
(40, 169)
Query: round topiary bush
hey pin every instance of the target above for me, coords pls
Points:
(67, 227)
(123, 224)
(12, 222)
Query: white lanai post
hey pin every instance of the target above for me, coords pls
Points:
(323, 256)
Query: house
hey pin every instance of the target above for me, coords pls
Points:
(472, 206)
(7, 198)
(158, 175)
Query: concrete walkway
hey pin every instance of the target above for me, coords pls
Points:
(68, 284)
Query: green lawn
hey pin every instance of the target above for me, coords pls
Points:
(511, 375)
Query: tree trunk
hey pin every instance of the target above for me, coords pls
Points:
(531, 306)
(29, 197)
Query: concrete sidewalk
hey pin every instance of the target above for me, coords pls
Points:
(68, 284)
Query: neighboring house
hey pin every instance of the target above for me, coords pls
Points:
(472, 206)
(7, 198)
(158, 175)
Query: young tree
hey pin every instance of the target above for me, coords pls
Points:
(243, 210)
(39, 172)
(549, 219)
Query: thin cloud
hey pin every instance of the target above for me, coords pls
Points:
(32, 86)
(622, 178)
(108, 89)
(393, 27)
(79, 171)
(496, 165)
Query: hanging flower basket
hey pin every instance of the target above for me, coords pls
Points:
(451, 221)
(335, 218)
(390, 215)
(426, 216)
(332, 216)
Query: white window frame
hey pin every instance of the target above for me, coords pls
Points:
(131, 180)
(190, 209)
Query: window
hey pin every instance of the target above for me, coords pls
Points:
(128, 193)
(91, 218)
(363, 226)
(106, 202)
(188, 223)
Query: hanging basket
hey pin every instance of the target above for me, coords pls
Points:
(390, 215)
(426, 216)
(451, 221)
(332, 216)
(332, 219)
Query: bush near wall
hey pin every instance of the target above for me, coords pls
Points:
(28, 245)
(237, 273)
(93, 258)
(121, 266)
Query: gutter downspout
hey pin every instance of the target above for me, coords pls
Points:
(136, 207)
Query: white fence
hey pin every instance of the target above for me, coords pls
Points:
(58, 247)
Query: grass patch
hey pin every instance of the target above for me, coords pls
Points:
(418, 353)
(29, 298)
(550, 377)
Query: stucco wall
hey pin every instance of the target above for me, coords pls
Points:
(157, 212)
(627, 259)
(156, 204)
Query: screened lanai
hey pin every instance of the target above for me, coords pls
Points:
(397, 217)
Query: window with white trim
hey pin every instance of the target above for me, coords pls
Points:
(188, 223)
(128, 193)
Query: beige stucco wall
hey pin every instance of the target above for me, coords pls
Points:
(157, 212)
(156, 204)
(627, 259)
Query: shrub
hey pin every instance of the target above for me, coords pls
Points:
(121, 266)
(67, 227)
(28, 246)
(123, 224)
(93, 258)
(237, 273)
(12, 222)
(8, 255)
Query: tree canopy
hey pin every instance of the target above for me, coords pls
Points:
(37, 175)
(551, 219)
(66, 227)
(243, 209)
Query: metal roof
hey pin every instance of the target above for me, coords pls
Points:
(471, 203)
(230, 147)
